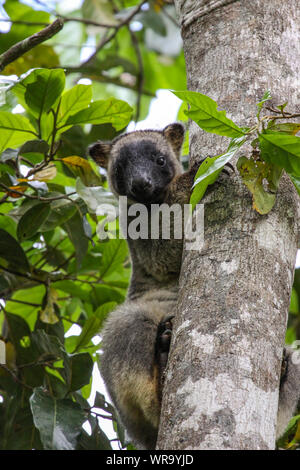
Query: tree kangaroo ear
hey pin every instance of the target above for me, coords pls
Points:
(174, 133)
(100, 152)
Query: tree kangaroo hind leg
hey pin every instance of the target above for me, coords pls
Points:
(135, 342)
(289, 393)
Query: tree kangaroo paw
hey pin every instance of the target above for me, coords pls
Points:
(163, 340)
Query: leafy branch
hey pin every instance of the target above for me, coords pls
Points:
(20, 48)
(108, 38)
(275, 148)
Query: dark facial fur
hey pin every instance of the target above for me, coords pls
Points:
(142, 172)
(141, 164)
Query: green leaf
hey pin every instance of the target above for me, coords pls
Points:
(8, 224)
(75, 141)
(3, 284)
(39, 90)
(210, 169)
(254, 173)
(48, 313)
(283, 442)
(74, 100)
(93, 325)
(200, 186)
(282, 150)
(12, 252)
(114, 254)
(34, 146)
(48, 346)
(282, 106)
(33, 295)
(181, 115)
(294, 303)
(14, 130)
(292, 422)
(100, 401)
(60, 212)
(18, 329)
(74, 228)
(113, 111)
(104, 309)
(151, 19)
(81, 370)
(296, 182)
(17, 428)
(32, 220)
(283, 127)
(267, 96)
(90, 329)
(73, 289)
(20, 336)
(58, 387)
(95, 197)
(104, 294)
(58, 421)
(96, 441)
(17, 32)
(203, 110)
(82, 168)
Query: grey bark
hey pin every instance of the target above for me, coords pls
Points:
(222, 381)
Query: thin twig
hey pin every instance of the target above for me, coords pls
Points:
(48, 363)
(39, 276)
(70, 321)
(20, 48)
(93, 70)
(91, 283)
(66, 19)
(109, 38)
(289, 116)
(55, 129)
(273, 110)
(9, 291)
(87, 22)
(26, 161)
(99, 415)
(40, 198)
(37, 168)
(64, 263)
(15, 377)
(74, 46)
(24, 302)
(25, 275)
(170, 17)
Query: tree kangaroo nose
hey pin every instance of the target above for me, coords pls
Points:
(142, 183)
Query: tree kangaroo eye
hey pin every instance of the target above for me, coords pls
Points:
(161, 160)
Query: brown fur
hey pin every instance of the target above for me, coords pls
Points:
(129, 364)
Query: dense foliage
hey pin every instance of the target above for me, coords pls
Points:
(55, 272)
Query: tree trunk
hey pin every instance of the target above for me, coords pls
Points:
(223, 373)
